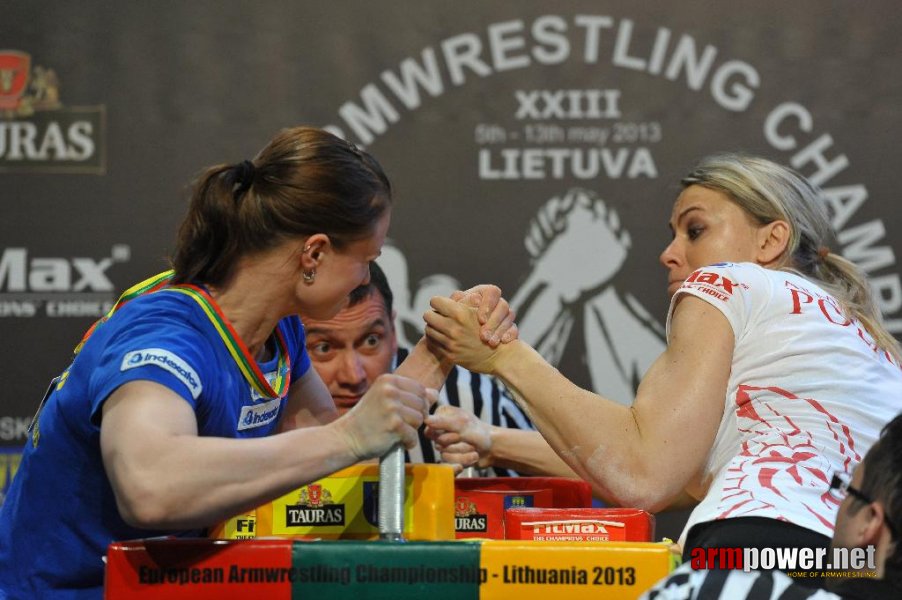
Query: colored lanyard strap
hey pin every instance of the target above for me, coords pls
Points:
(240, 354)
(233, 343)
(147, 286)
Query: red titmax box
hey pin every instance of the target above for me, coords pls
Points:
(579, 524)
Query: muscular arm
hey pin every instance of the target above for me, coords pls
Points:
(681, 501)
(526, 451)
(425, 366)
(643, 455)
(165, 476)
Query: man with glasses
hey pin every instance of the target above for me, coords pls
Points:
(869, 517)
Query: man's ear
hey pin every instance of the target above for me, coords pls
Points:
(773, 240)
(313, 249)
(872, 523)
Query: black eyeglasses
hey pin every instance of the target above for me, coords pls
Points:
(842, 484)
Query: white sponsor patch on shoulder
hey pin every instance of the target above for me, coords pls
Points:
(259, 414)
(165, 360)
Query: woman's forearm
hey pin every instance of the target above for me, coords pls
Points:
(425, 366)
(186, 481)
(526, 451)
(593, 436)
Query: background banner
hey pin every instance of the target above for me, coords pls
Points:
(533, 145)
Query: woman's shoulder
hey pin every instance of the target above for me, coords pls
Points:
(163, 305)
(737, 267)
(160, 314)
(786, 279)
(731, 280)
(778, 278)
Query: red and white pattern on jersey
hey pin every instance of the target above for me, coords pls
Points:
(712, 284)
(778, 455)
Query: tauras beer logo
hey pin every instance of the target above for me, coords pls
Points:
(466, 518)
(314, 508)
(37, 134)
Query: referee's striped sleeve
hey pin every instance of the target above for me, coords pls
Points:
(486, 398)
(688, 584)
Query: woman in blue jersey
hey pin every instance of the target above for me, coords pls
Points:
(194, 399)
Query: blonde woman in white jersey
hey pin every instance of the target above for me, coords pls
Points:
(777, 373)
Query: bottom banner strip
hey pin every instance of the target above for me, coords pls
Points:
(453, 570)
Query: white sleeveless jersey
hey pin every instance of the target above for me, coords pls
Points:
(808, 394)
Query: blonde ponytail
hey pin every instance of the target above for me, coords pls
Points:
(842, 278)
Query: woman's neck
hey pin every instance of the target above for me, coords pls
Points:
(254, 300)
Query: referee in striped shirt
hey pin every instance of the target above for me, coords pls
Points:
(352, 349)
